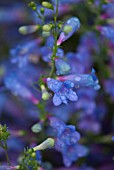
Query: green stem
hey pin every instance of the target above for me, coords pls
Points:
(55, 34)
(7, 157)
(52, 69)
(42, 108)
(4, 146)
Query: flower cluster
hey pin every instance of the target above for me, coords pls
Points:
(61, 53)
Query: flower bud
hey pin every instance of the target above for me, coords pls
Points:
(34, 8)
(45, 94)
(48, 143)
(46, 28)
(33, 155)
(74, 23)
(42, 10)
(31, 4)
(28, 29)
(45, 34)
(47, 5)
(36, 128)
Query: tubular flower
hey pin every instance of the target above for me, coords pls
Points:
(74, 23)
(83, 80)
(62, 91)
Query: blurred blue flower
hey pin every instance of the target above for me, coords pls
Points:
(62, 67)
(109, 87)
(107, 31)
(47, 50)
(66, 141)
(25, 53)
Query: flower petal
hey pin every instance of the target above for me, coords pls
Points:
(57, 100)
(72, 95)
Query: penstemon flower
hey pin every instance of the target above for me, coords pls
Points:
(62, 67)
(83, 80)
(62, 91)
(72, 25)
(66, 141)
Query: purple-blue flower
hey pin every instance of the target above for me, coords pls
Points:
(66, 141)
(107, 31)
(47, 50)
(74, 23)
(109, 87)
(83, 80)
(62, 91)
(62, 67)
(25, 53)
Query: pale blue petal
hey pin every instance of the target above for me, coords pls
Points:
(72, 95)
(57, 100)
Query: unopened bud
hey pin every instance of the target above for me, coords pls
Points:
(33, 155)
(67, 32)
(60, 25)
(45, 94)
(48, 143)
(31, 4)
(42, 10)
(46, 28)
(34, 8)
(47, 5)
(36, 128)
(45, 34)
(28, 29)
(62, 67)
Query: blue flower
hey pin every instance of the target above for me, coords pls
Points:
(63, 91)
(25, 53)
(62, 67)
(66, 141)
(83, 80)
(107, 31)
(47, 50)
(46, 53)
(74, 23)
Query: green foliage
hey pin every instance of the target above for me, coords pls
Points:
(28, 160)
(4, 133)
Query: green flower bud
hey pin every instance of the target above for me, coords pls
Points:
(45, 94)
(42, 10)
(31, 4)
(33, 155)
(60, 25)
(34, 8)
(36, 128)
(45, 34)
(28, 29)
(4, 133)
(47, 5)
(46, 28)
(67, 29)
(48, 143)
(30, 151)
